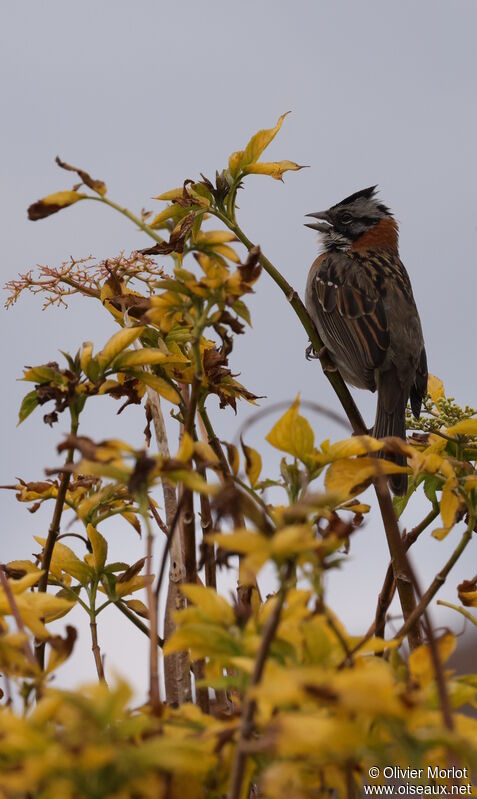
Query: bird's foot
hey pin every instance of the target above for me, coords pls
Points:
(312, 355)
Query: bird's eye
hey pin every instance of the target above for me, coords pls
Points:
(346, 218)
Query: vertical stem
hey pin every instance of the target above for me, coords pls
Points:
(401, 568)
(389, 586)
(53, 533)
(96, 650)
(154, 693)
(176, 666)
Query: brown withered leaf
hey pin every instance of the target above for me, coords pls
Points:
(41, 209)
(143, 468)
(97, 185)
(251, 269)
(131, 571)
(467, 592)
(50, 418)
(64, 646)
(86, 446)
(227, 503)
(176, 241)
(129, 389)
(226, 318)
(147, 429)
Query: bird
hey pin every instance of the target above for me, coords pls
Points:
(359, 296)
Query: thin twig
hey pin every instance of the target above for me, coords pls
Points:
(137, 622)
(438, 580)
(465, 613)
(157, 518)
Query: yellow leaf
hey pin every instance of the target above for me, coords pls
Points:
(346, 448)
(253, 463)
(171, 212)
(159, 385)
(64, 559)
(449, 507)
(24, 583)
(293, 540)
(293, 434)
(254, 148)
(466, 427)
(24, 565)
(227, 252)
(117, 343)
(52, 203)
(233, 458)
(172, 194)
(138, 607)
(186, 449)
(148, 356)
(107, 386)
(136, 583)
(210, 603)
(100, 547)
(420, 660)
(86, 354)
(215, 237)
(301, 734)
(241, 541)
(205, 451)
(435, 388)
(343, 477)
(275, 169)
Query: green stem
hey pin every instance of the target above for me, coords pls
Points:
(137, 622)
(94, 633)
(129, 215)
(466, 613)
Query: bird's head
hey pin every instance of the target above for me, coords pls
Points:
(342, 225)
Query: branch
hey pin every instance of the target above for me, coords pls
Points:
(137, 622)
(52, 538)
(389, 586)
(249, 705)
(438, 580)
(401, 566)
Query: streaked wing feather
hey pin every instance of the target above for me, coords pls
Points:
(354, 319)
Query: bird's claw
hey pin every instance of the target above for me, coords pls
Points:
(312, 355)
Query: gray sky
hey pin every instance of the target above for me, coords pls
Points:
(146, 94)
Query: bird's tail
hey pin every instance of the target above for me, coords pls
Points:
(393, 424)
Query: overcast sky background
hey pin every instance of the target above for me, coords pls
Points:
(146, 94)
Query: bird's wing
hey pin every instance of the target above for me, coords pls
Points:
(351, 314)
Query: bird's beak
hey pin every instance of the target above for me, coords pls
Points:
(322, 228)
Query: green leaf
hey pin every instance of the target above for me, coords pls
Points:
(29, 403)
